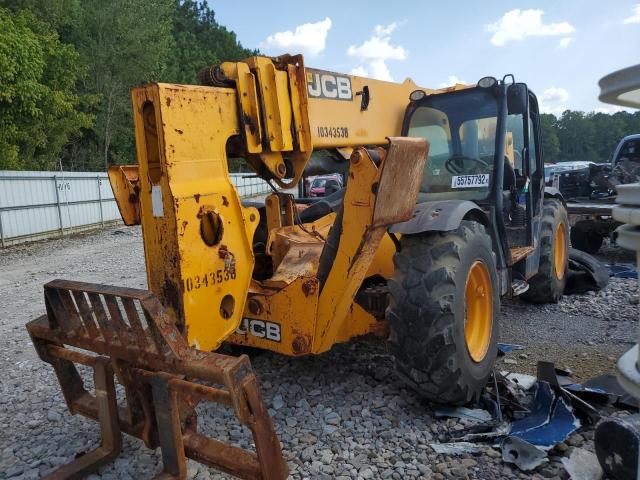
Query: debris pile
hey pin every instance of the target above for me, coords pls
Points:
(525, 417)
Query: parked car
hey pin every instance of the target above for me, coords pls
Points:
(550, 169)
(325, 185)
(626, 160)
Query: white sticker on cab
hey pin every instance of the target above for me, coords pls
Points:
(470, 181)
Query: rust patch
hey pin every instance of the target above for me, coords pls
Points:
(310, 287)
(170, 297)
(197, 197)
(180, 132)
(254, 305)
(380, 329)
(301, 344)
(225, 201)
(248, 120)
(357, 253)
(183, 227)
(168, 101)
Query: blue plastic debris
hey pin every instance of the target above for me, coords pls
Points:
(622, 270)
(550, 422)
(505, 348)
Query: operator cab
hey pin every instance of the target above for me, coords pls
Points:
(480, 137)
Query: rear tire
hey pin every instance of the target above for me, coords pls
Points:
(547, 286)
(585, 239)
(431, 338)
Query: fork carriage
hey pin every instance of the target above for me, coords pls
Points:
(164, 379)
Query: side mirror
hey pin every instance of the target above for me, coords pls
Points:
(518, 98)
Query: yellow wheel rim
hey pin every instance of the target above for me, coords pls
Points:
(478, 299)
(559, 252)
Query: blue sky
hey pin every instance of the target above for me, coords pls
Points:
(560, 48)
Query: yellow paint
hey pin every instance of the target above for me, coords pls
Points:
(382, 118)
(124, 180)
(478, 299)
(182, 137)
(191, 278)
(560, 252)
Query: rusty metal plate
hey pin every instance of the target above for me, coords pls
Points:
(400, 180)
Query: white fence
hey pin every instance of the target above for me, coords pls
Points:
(44, 204)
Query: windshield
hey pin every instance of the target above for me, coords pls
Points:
(318, 182)
(461, 130)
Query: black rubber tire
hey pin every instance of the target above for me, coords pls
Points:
(545, 286)
(427, 313)
(586, 273)
(585, 239)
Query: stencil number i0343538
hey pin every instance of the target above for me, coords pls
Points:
(207, 279)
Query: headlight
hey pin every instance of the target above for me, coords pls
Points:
(417, 95)
(487, 82)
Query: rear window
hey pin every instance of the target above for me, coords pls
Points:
(630, 150)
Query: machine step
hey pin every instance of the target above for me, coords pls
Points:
(518, 287)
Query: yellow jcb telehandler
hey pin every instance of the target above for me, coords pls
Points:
(444, 211)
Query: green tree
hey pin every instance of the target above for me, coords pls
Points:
(576, 134)
(607, 131)
(550, 140)
(38, 100)
(199, 42)
(61, 15)
(123, 43)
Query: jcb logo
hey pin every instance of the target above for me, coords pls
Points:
(321, 84)
(260, 329)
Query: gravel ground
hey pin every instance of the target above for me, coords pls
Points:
(341, 415)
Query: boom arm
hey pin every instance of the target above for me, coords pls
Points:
(323, 110)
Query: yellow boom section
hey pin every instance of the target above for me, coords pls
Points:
(287, 111)
(197, 234)
(362, 112)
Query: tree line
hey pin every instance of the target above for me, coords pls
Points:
(591, 136)
(67, 67)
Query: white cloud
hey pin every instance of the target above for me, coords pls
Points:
(516, 25)
(564, 42)
(360, 71)
(377, 69)
(635, 18)
(451, 81)
(553, 100)
(308, 38)
(554, 94)
(375, 51)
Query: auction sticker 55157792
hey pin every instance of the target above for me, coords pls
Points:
(470, 181)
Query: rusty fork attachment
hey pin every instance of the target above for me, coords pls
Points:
(133, 338)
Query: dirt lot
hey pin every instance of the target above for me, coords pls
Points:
(339, 415)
